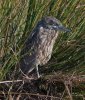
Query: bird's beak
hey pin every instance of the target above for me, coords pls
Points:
(61, 28)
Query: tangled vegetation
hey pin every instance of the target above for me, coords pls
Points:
(17, 20)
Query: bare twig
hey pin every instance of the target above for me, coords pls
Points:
(68, 90)
(2, 82)
(14, 81)
(74, 79)
(32, 94)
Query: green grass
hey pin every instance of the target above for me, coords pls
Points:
(17, 20)
(19, 17)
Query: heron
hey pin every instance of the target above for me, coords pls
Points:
(38, 47)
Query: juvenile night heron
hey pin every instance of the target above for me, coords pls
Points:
(39, 45)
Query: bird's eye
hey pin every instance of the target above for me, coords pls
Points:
(57, 24)
(51, 22)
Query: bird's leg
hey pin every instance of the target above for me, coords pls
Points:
(37, 71)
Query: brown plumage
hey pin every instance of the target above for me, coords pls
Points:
(39, 45)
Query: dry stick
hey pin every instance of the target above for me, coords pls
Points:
(74, 79)
(68, 91)
(2, 82)
(32, 94)
(14, 81)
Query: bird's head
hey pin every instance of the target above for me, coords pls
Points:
(53, 24)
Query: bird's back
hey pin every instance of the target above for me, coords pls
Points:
(28, 53)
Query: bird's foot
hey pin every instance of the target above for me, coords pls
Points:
(39, 76)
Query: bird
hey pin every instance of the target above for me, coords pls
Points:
(37, 49)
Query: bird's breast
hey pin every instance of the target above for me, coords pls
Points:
(45, 47)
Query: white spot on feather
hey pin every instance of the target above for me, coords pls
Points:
(41, 28)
